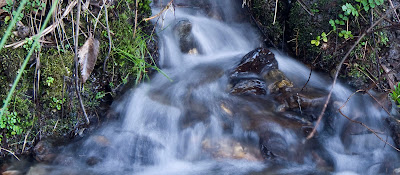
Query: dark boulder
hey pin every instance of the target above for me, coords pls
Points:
(259, 61)
(249, 87)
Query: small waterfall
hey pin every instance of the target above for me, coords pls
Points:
(193, 125)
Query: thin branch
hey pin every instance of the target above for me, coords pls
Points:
(276, 10)
(305, 7)
(136, 17)
(47, 30)
(370, 29)
(391, 5)
(76, 61)
(109, 36)
(10, 153)
(161, 12)
(362, 124)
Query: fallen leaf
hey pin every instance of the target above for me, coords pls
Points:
(2, 4)
(87, 57)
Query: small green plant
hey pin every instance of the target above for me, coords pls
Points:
(100, 95)
(395, 94)
(56, 103)
(317, 40)
(367, 4)
(35, 5)
(49, 81)
(344, 19)
(30, 44)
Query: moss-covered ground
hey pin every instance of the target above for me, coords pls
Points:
(45, 103)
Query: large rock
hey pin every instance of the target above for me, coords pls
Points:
(259, 61)
(246, 79)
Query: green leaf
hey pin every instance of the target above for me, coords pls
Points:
(313, 41)
(323, 34)
(317, 43)
(340, 16)
(345, 18)
(332, 22)
(344, 8)
(341, 23)
(325, 39)
(337, 21)
(372, 5)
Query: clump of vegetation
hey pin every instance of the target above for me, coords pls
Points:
(45, 101)
(341, 26)
(395, 94)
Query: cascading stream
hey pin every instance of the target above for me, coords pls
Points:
(194, 125)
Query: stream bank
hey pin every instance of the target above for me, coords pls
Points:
(45, 105)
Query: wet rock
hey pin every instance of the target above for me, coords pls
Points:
(101, 140)
(231, 149)
(44, 151)
(273, 146)
(91, 161)
(12, 172)
(259, 61)
(196, 112)
(277, 80)
(394, 127)
(42, 169)
(39, 170)
(183, 32)
(249, 87)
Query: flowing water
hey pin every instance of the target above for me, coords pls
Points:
(193, 125)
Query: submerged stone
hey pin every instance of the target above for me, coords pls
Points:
(249, 87)
(183, 32)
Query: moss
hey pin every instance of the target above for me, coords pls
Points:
(264, 11)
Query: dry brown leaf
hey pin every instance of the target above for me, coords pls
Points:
(2, 4)
(87, 57)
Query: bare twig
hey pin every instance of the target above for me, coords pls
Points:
(136, 17)
(362, 124)
(10, 153)
(47, 30)
(161, 12)
(370, 29)
(76, 62)
(276, 10)
(309, 76)
(305, 7)
(109, 35)
(26, 137)
(391, 5)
